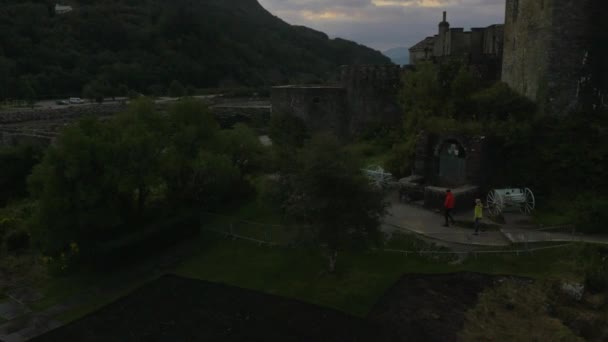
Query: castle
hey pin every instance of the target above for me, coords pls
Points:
(480, 46)
(550, 51)
(365, 97)
(555, 53)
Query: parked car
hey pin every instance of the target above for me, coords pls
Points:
(62, 102)
(76, 100)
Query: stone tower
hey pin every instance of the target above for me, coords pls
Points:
(441, 43)
(553, 55)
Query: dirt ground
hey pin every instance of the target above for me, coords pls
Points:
(428, 307)
(418, 307)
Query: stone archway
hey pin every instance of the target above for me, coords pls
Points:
(452, 161)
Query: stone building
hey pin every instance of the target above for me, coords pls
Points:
(365, 98)
(480, 46)
(449, 161)
(555, 52)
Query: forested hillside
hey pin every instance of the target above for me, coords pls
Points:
(144, 45)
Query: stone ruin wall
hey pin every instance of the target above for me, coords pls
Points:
(371, 95)
(321, 108)
(365, 98)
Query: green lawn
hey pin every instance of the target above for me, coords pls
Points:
(297, 272)
(362, 277)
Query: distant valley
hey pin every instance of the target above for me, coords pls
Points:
(399, 55)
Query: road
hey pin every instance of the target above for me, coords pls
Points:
(52, 104)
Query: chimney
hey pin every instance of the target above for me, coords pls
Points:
(445, 16)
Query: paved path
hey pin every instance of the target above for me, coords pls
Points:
(430, 225)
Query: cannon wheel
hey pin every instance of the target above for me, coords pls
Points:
(530, 202)
(495, 203)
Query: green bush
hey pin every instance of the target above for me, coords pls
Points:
(400, 161)
(16, 164)
(17, 240)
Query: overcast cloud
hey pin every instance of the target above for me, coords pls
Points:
(384, 24)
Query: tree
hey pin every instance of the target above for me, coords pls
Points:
(330, 193)
(27, 91)
(76, 188)
(141, 135)
(123, 90)
(94, 183)
(176, 89)
(96, 90)
(17, 164)
(244, 148)
(192, 128)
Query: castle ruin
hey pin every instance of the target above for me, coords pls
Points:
(365, 97)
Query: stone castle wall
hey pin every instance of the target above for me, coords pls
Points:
(365, 98)
(371, 95)
(321, 108)
(527, 44)
(548, 44)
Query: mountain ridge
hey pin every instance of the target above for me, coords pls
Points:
(399, 55)
(146, 44)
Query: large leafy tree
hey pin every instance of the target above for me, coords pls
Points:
(76, 185)
(330, 193)
(103, 179)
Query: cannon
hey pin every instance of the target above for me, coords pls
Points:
(500, 199)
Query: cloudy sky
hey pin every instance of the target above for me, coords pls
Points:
(384, 24)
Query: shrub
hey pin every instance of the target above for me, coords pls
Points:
(401, 157)
(17, 240)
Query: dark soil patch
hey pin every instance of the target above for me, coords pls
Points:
(178, 309)
(428, 307)
(417, 308)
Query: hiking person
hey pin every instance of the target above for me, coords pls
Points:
(448, 205)
(478, 215)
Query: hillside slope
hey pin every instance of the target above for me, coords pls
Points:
(145, 44)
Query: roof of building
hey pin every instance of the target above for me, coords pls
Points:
(423, 44)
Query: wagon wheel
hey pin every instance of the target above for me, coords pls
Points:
(529, 202)
(495, 203)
